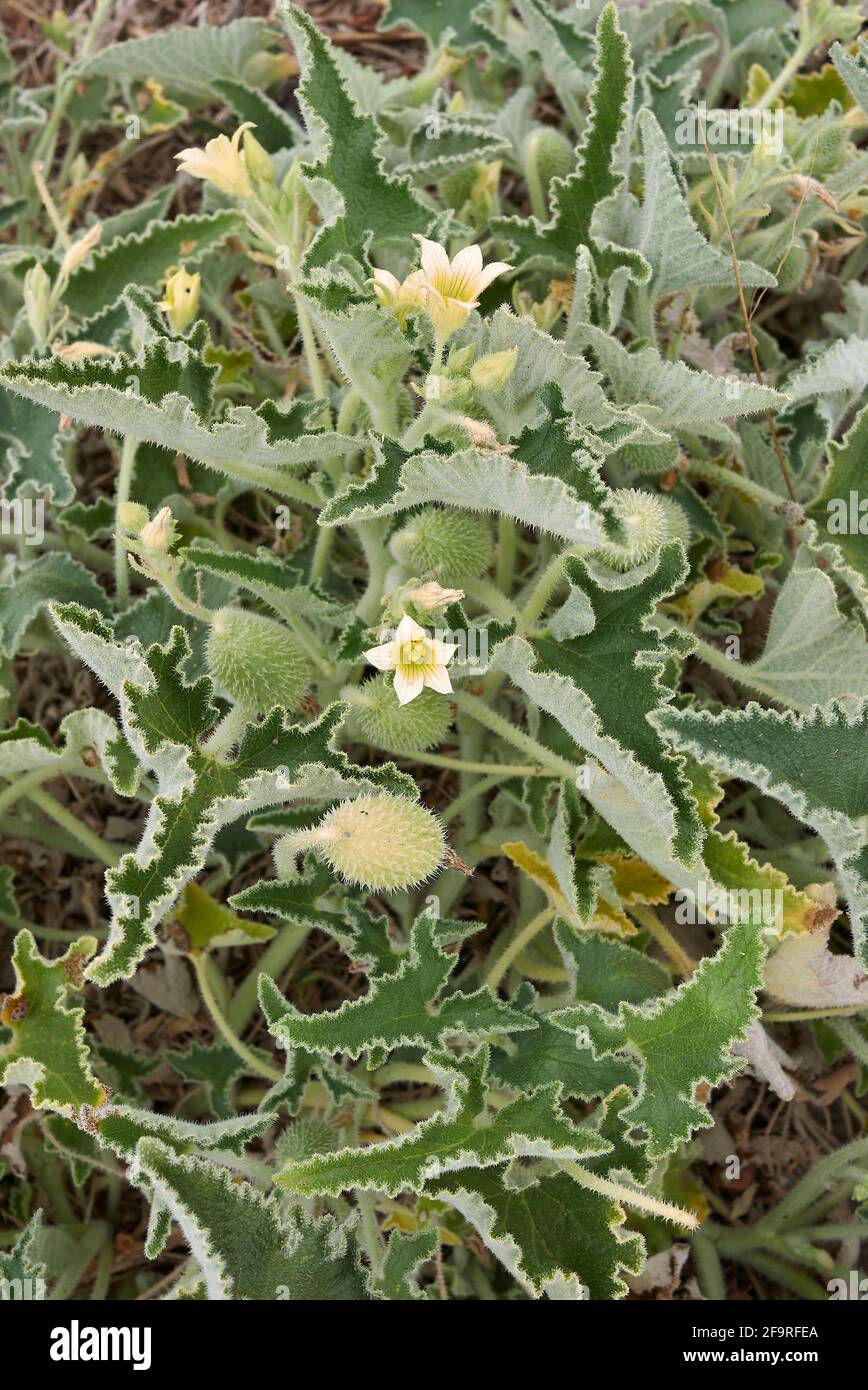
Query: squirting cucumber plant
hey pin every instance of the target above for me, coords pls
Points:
(433, 779)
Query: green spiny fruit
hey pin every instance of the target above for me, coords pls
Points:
(304, 1139)
(450, 544)
(410, 728)
(649, 522)
(791, 272)
(825, 149)
(383, 843)
(677, 521)
(552, 153)
(256, 660)
(456, 188)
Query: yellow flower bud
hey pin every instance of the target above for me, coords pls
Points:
(132, 516)
(181, 303)
(494, 370)
(257, 159)
(460, 358)
(448, 63)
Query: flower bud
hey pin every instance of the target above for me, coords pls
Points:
(132, 517)
(431, 597)
(80, 250)
(494, 370)
(411, 728)
(460, 358)
(78, 352)
(37, 288)
(383, 843)
(181, 302)
(454, 545)
(448, 63)
(158, 535)
(257, 159)
(256, 660)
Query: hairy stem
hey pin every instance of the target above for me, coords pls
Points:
(254, 1064)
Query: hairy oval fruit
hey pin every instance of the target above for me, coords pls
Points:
(410, 728)
(256, 660)
(383, 843)
(452, 545)
(649, 522)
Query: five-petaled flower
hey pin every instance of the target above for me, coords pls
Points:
(398, 297)
(452, 288)
(417, 660)
(221, 163)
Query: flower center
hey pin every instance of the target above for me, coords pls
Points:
(415, 652)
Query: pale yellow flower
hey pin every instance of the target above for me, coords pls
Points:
(181, 303)
(452, 287)
(398, 297)
(221, 163)
(417, 660)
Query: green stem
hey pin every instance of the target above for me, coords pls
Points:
(519, 941)
(274, 960)
(716, 473)
(228, 731)
(180, 600)
(507, 546)
(322, 551)
(548, 762)
(22, 785)
(788, 71)
(708, 1267)
(306, 639)
(311, 352)
(91, 842)
(465, 765)
(485, 784)
(545, 587)
(49, 933)
(648, 919)
(255, 1064)
(392, 1072)
(123, 485)
(482, 591)
(371, 535)
(787, 1276)
(809, 1015)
